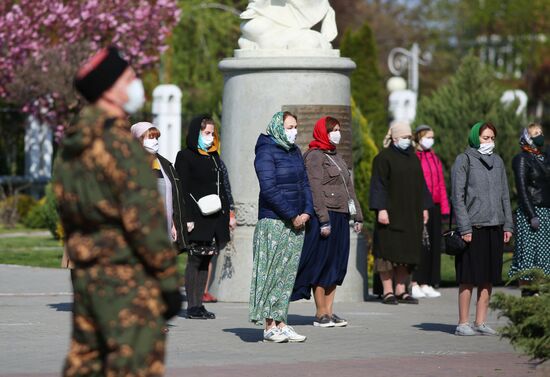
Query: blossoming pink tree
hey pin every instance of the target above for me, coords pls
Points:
(42, 43)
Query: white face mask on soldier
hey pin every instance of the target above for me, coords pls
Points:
(136, 97)
(335, 137)
(151, 145)
(291, 135)
(486, 148)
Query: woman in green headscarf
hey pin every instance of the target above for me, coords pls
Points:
(285, 206)
(481, 203)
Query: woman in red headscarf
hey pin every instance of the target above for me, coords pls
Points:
(325, 254)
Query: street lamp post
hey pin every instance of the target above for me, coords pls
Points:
(401, 59)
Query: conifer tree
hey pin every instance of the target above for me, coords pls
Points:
(367, 87)
(471, 95)
(364, 151)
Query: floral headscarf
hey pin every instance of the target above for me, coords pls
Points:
(276, 130)
(527, 145)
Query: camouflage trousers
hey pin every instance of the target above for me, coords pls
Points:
(118, 328)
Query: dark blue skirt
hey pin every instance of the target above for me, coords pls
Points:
(324, 261)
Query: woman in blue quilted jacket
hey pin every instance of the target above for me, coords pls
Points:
(285, 206)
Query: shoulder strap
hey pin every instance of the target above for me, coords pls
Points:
(341, 175)
(465, 194)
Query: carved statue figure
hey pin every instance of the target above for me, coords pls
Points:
(286, 24)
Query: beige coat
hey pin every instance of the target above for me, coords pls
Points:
(326, 179)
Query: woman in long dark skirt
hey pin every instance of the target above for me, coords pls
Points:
(324, 260)
(481, 202)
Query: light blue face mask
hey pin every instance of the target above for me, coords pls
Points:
(205, 142)
(403, 144)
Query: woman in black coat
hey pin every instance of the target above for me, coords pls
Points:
(532, 176)
(400, 197)
(199, 169)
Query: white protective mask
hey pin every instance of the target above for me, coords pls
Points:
(136, 97)
(291, 135)
(335, 137)
(403, 143)
(486, 148)
(151, 145)
(427, 143)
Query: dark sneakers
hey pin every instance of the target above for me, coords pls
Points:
(206, 313)
(339, 322)
(199, 312)
(324, 321)
(195, 313)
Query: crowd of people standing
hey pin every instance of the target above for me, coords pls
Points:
(127, 212)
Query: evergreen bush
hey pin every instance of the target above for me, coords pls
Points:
(44, 215)
(367, 86)
(529, 317)
(364, 151)
(472, 94)
(51, 215)
(36, 218)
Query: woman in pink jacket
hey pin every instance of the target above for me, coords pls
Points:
(428, 274)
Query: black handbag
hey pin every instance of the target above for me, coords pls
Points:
(454, 244)
(203, 248)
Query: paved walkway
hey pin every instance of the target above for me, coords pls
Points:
(381, 341)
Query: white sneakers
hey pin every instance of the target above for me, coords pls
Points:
(417, 292)
(423, 291)
(286, 334)
(429, 291)
(274, 335)
(292, 335)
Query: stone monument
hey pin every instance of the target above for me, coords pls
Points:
(281, 65)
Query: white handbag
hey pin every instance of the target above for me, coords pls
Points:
(210, 204)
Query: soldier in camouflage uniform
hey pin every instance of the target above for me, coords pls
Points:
(125, 281)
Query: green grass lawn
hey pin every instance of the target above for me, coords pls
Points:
(31, 251)
(47, 252)
(42, 252)
(15, 229)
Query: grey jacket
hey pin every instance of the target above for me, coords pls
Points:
(488, 199)
(327, 186)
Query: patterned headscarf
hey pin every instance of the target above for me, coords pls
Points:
(473, 137)
(276, 130)
(527, 145)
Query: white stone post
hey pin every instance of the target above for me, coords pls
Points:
(38, 150)
(167, 118)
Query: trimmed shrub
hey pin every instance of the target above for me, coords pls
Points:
(36, 218)
(529, 317)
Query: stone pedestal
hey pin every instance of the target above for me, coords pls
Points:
(255, 89)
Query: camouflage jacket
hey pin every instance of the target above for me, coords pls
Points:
(108, 201)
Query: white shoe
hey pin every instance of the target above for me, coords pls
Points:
(292, 335)
(275, 335)
(429, 291)
(416, 292)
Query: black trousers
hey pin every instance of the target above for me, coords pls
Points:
(428, 270)
(196, 275)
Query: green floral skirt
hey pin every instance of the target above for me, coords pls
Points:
(277, 250)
